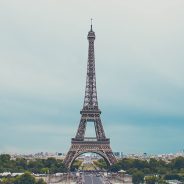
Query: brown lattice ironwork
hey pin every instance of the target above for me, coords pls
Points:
(90, 112)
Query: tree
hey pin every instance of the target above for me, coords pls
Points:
(172, 177)
(114, 168)
(150, 179)
(44, 170)
(146, 171)
(139, 164)
(26, 178)
(6, 164)
(138, 177)
(5, 158)
(8, 180)
(178, 163)
(40, 181)
(34, 166)
(76, 164)
(101, 164)
(21, 163)
(153, 164)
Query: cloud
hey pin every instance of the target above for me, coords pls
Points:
(132, 138)
(139, 64)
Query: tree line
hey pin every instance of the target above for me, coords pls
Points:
(149, 171)
(38, 166)
(26, 178)
(152, 170)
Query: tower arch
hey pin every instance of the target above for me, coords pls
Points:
(96, 152)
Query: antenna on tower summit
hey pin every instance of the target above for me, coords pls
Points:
(91, 24)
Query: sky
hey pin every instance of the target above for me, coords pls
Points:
(139, 68)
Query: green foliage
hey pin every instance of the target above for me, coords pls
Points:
(41, 181)
(138, 177)
(8, 180)
(41, 166)
(178, 163)
(114, 168)
(129, 164)
(101, 164)
(152, 166)
(6, 164)
(172, 177)
(5, 158)
(151, 179)
(26, 178)
(21, 164)
(171, 170)
(76, 164)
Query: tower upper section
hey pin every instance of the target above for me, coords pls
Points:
(90, 99)
(91, 34)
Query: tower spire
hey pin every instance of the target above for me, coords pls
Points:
(91, 24)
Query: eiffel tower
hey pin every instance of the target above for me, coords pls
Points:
(90, 113)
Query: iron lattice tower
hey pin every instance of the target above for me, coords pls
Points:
(90, 113)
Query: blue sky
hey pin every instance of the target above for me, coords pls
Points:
(139, 64)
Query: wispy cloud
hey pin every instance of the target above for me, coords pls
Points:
(139, 64)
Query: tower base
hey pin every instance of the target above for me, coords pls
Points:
(100, 147)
